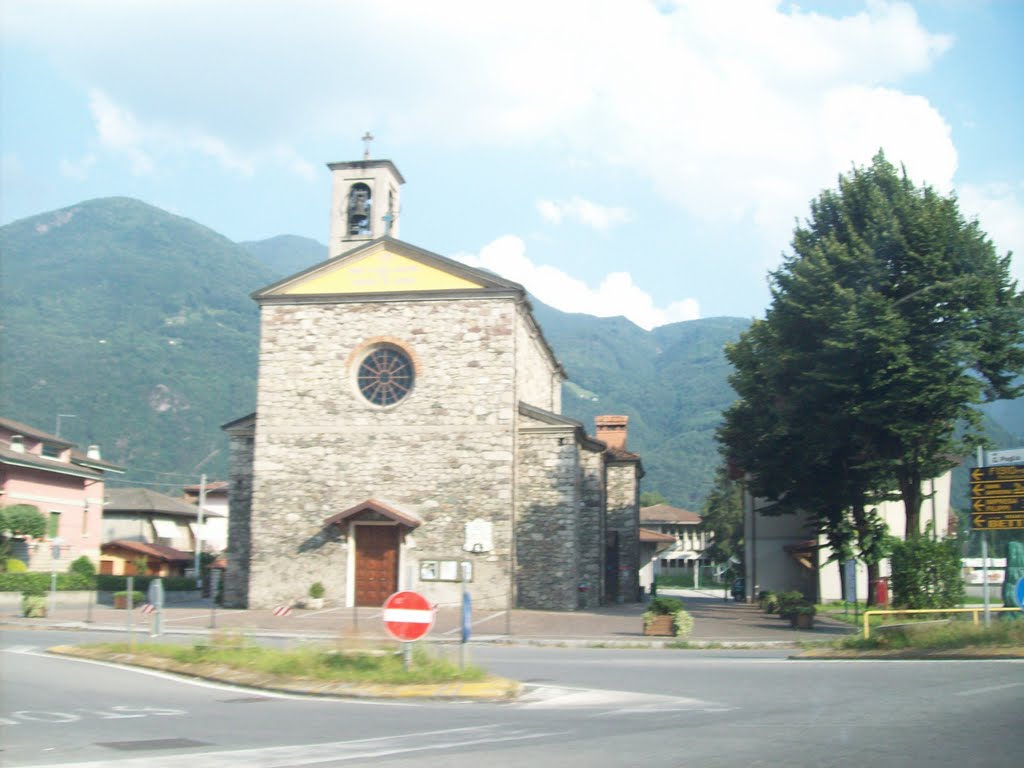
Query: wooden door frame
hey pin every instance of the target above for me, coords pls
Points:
(353, 544)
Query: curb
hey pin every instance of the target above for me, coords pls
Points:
(491, 689)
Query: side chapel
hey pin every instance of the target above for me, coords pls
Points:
(408, 435)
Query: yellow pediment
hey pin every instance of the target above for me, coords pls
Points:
(377, 272)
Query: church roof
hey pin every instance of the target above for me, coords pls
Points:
(390, 511)
(387, 269)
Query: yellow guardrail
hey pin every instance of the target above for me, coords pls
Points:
(975, 611)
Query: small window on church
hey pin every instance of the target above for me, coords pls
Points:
(385, 376)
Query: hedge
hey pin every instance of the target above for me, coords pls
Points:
(39, 583)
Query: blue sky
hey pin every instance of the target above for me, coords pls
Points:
(628, 157)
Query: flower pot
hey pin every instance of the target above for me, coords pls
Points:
(802, 620)
(314, 603)
(662, 625)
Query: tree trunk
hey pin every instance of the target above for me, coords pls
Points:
(910, 489)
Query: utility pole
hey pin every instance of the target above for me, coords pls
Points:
(199, 532)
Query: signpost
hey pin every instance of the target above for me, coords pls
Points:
(997, 497)
(408, 616)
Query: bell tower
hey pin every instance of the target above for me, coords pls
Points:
(364, 201)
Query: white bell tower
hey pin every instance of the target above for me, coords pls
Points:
(365, 201)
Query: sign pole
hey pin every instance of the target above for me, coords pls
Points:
(406, 655)
(128, 602)
(984, 552)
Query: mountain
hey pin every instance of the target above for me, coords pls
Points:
(287, 254)
(137, 329)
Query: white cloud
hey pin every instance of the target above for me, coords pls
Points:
(616, 295)
(78, 169)
(598, 217)
(734, 116)
(144, 143)
(119, 131)
(999, 208)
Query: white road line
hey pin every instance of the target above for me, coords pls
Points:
(337, 751)
(222, 686)
(990, 689)
(558, 697)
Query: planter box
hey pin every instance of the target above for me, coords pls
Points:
(661, 626)
(802, 621)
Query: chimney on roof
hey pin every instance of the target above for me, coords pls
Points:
(94, 453)
(17, 443)
(611, 430)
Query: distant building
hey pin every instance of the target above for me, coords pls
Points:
(784, 553)
(687, 530)
(215, 525)
(142, 516)
(65, 484)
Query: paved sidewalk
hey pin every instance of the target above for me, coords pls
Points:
(716, 621)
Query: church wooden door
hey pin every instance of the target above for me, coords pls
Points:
(376, 563)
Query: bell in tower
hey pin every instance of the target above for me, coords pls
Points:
(365, 202)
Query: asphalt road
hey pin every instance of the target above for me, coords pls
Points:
(584, 707)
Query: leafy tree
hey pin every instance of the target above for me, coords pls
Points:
(651, 499)
(933, 322)
(83, 566)
(926, 573)
(723, 518)
(890, 321)
(22, 520)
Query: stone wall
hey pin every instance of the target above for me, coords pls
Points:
(547, 522)
(623, 500)
(240, 464)
(445, 452)
(537, 380)
(591, 529)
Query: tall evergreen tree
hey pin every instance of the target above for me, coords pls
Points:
(891, 319)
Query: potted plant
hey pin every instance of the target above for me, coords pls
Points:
(787, 601)
(316, 596)
(665, 617)
(801, 615)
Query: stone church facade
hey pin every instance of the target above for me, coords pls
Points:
(408, 435)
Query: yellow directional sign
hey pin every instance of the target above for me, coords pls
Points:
(997, 522)
(997, 497)
(997, 505)
(1005, 472)
(1009, 488)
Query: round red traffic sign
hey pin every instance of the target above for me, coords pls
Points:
(408, 616)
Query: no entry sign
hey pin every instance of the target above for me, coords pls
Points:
(408, 616)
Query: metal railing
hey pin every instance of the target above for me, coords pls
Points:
(975, 611)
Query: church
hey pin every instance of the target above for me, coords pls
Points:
(408, 436)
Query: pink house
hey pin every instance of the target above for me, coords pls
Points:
(66, 486)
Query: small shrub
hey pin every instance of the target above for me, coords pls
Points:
(316, 591)
(138, 598)
(662, 606)
(14, 565)
(83, 566)
(33, 606)
(788, 601)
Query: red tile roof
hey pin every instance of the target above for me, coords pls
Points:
(663, 513)
(159, 551)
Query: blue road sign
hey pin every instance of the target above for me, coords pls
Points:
(1020, 593)
(467, 617)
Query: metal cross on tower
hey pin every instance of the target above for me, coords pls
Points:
(367, 138)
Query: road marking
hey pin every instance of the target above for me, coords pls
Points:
(990, 689)
(333, 752)
(618, 702)
(221, 686)
(19, 649)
